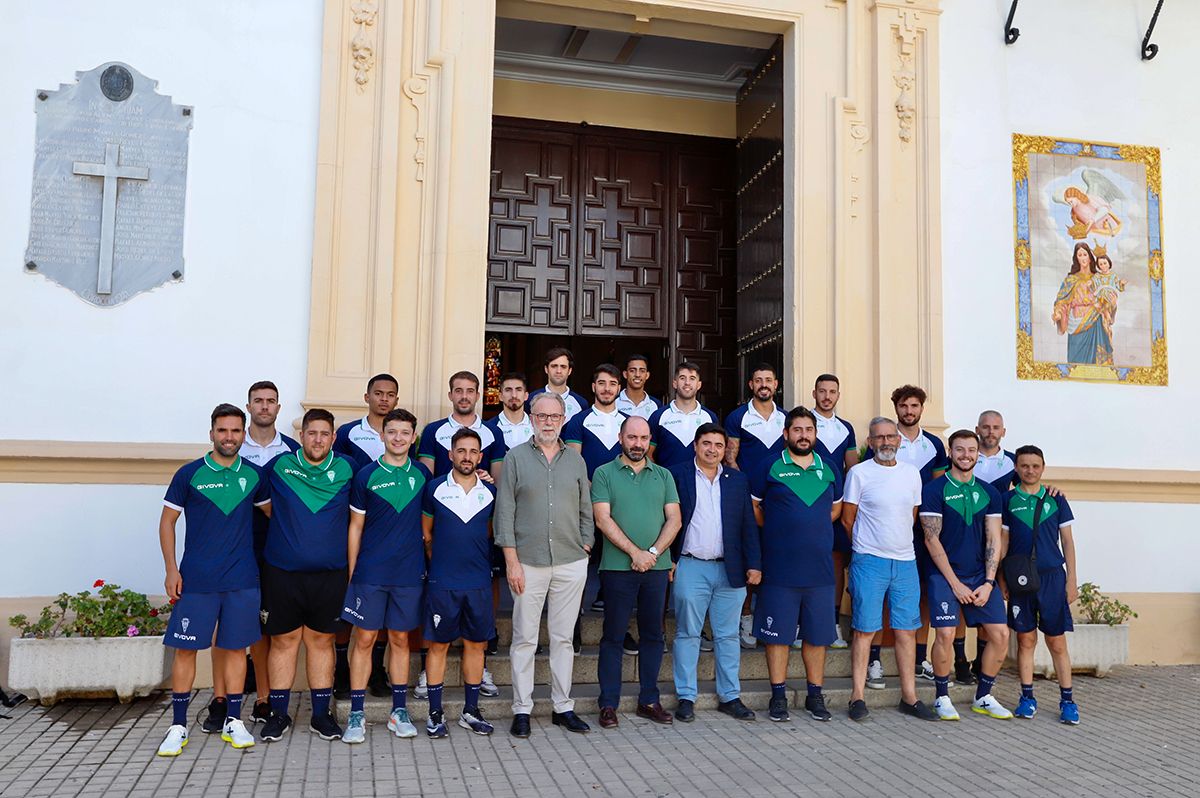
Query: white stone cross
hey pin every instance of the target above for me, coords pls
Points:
(111, 172)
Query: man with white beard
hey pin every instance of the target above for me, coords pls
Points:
(879, 506)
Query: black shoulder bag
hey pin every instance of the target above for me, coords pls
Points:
(1020, 570)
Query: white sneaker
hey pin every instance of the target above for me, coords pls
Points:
(234, 732)
(421, 691)
(945, 708)
(487, 687)
(173, 743)
(356, 729)
(798, 643)
(925, 670)
(875, 675)
(400, 725)
(988, 705)
(746, 632)
(840, 643)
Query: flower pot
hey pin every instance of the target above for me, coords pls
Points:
(1094, 647)
(87, 667)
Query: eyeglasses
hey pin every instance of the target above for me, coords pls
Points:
(542, 418)
(892, 437)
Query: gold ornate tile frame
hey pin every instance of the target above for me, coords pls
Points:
(1096, 223)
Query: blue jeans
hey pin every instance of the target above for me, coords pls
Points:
(623, 590)
(702, 587)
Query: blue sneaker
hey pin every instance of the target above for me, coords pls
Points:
(1026, 708)
(435, 725)
(1068, 712)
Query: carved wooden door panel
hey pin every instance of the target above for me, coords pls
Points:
(760, 217)
(531, 243)
(623, 253)
(705, 299)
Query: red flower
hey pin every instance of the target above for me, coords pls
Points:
(99, 583)
(173, 601)
(153, 613)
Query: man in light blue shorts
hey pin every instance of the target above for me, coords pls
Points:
(879, 505)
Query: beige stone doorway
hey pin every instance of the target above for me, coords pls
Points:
(399, 268)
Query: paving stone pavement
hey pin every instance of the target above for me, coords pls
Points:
(1138, 738)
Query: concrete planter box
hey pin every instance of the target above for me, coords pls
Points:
(1094, 647)
(87, 667)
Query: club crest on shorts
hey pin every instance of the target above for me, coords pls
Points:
(770, 621)
(184, 622)
(357, 602)
(263, 615)
(436, 619)
(945, 607)
(1016, 610)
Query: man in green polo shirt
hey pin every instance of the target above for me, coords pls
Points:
(636, 506)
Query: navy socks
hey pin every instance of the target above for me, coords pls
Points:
(179, 708)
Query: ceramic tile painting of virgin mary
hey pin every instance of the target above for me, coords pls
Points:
(1088, 243)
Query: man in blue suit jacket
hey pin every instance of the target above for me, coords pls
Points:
(716, 556)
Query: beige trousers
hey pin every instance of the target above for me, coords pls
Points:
(560, 589)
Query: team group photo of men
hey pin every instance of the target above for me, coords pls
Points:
(392, 539)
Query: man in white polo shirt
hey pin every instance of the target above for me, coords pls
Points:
(673, 427)
(361, 442)
(633, 399)
(512, 423)
(558, 364)
(879, 506)
(262, 444)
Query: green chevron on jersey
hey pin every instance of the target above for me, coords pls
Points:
(315, 485)
(1022, 505)
(396, 485)
(807, 483)
(965, 498)
(225, 487)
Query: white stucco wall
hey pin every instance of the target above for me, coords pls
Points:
(153, 368)
(1074, 73)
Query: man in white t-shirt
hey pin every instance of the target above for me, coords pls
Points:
(879, 505)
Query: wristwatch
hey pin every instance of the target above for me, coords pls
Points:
(992, 582)
(653, 551)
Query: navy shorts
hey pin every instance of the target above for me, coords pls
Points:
(233, 615)
(383, 607)
(451, 614)
(944, 609)
(1047, 609)
(778, 608)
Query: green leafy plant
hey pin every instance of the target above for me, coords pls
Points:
(1099, 608)
(109, 612)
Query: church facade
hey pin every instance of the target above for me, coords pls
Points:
(412, 186)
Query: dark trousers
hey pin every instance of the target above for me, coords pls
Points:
(623, 590)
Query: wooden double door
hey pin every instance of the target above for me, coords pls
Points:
(617, 233)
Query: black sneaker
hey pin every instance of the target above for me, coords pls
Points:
(325, 727)
(277, 726)
(341, 679)
(251, 684)
(493, 647)
(261, 712)
(598, 605)
(378, 685)
(214, 720)
(13, 699)
(859, 711)
(918, 710)
(686, 711)
(815, 706)
(778, 710)
(630, 645)
(962, 672)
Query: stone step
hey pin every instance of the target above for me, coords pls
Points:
(592, 628)
(753, 666)
(756, 694)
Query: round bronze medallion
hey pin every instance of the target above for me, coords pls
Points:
(116, 83)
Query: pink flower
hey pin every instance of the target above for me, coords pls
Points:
(132, 631)
(99, 583)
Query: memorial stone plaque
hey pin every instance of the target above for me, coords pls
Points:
(109, 181)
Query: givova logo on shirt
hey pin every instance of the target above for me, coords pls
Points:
(223, 489)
